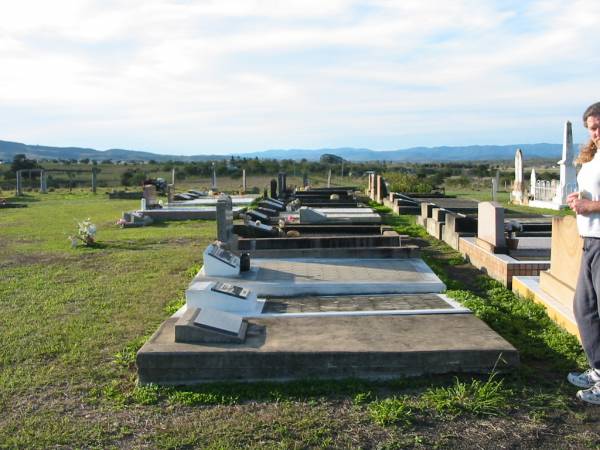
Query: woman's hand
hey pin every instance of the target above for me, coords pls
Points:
(583, 205)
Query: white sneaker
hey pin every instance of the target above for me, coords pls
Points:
(591, 395)
(584, 380)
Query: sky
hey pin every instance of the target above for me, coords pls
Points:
(217, 77)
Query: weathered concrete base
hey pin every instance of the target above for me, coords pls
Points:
(376, 347)
(529, 287)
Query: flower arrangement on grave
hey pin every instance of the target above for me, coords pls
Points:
(86, 233)
(121, 223)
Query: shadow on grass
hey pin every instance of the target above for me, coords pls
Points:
(25, 198)
(125, 245)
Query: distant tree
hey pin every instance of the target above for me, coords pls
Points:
(328, 158)
(132, 177)
(20, 162)
(404, 182)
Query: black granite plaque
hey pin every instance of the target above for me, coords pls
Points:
(231, 290)
(223, 255)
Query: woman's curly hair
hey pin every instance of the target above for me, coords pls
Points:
(588, 150)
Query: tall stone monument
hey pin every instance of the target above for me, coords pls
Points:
(517, 192)
(532, 183)
(568, 176)
(224, 219)
(213, 186)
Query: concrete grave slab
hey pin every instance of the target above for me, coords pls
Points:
(315, 276)
(372, 347)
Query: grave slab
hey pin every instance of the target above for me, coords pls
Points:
(372, 347)
(315, 276)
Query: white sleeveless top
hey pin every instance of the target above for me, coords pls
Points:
(588, 181)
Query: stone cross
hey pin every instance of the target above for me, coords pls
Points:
(568, 177)
(243, 181)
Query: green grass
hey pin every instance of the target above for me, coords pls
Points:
(73, 319)
(391, 411)
(484, 398)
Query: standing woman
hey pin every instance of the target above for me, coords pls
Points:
(586, 305)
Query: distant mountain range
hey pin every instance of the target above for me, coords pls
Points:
(414, 154)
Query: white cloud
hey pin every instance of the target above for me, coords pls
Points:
(238, 75)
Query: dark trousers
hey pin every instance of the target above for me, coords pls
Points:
(585, 304)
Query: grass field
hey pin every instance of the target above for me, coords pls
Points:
(72, 320)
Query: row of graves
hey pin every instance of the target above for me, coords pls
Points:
(503, 244)
(537, 256)
(187, 205)
(311, 284)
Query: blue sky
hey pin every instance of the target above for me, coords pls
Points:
(197, 77)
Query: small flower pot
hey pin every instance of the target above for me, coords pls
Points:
(512, 243)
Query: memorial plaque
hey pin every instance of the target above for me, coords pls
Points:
(224, 255)
(255, 215)
(219, 321)
(231, 290)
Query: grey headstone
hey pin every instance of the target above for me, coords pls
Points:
(224, 219)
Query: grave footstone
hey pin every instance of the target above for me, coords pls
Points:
(210, 326)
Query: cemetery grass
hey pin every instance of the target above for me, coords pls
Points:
(72, 320)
